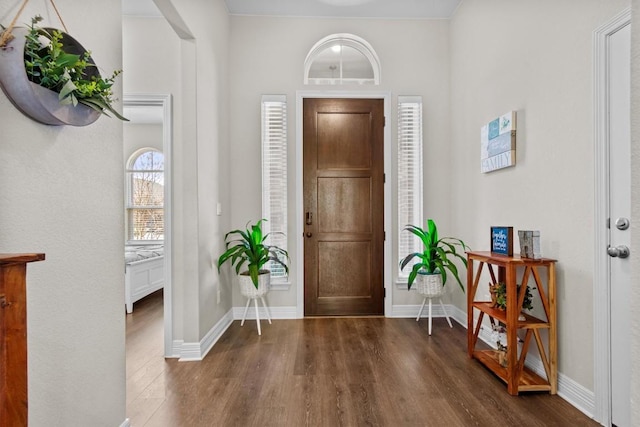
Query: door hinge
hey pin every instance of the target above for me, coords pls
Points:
(385, 292)
(384, 236)
(608, 222)
(384, 121)
(384, 178)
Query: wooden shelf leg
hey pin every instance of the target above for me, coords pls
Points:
(512, 330)
(543, 355)
(553, 328)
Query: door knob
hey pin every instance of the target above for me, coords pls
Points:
(309, 234)
(618, 251)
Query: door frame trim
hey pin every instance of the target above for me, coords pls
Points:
(388, 185)
(164, 101)
(601, 274)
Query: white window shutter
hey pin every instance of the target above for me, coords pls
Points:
(409, 175)
(274, 175)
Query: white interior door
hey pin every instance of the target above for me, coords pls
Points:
(619, 234)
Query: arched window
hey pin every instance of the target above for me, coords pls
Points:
(145, 196)
(341, 59)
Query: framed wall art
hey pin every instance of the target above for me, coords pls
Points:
(502, 240)
(498, 143)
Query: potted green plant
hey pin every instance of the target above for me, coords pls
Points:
(436, 259)
(248, 247)
(498, 293)
(51, 78)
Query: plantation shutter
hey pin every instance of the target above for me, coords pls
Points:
(274, 175)
(409, 174)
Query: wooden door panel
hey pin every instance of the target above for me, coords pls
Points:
(344, 141)
(344, 205)
(343, 175)
(343, 280)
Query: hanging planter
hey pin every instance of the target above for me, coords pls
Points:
(51, 77)
(37, 102)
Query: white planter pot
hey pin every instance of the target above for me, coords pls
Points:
(429, 285)
(248, 289)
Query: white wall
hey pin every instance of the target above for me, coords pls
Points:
(201, 164)
(536, 58)
(61, 194)
(212, 30)
(635, 207)
(141, 135)
(196, 75)
(267, 56)
(146, 42)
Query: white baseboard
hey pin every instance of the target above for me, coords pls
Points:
(176, 348)
(191, 352)
(195, 351)
(577, 395)
(126, 423)
(214, 334)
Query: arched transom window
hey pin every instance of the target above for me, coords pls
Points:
(341, 59)
(145, 196)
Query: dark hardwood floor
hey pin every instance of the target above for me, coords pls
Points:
(325, 372)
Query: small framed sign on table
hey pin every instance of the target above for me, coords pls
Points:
(502, 240)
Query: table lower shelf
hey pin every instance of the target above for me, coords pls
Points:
(528, 381)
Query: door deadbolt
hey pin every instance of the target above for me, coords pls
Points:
(618, 251)
(622, 223)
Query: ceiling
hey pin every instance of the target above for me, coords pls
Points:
(399, 9)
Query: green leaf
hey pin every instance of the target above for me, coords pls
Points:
(254, 272)
(67, 60)
(248, 247)
(67, 89)
(100, 106)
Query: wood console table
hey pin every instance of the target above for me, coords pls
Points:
(517, 376)
(13, 338)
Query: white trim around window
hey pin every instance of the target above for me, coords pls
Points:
(274, 177)
(409, 180)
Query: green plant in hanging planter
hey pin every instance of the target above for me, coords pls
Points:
(74, 77)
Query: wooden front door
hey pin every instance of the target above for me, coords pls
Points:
(344, 206)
